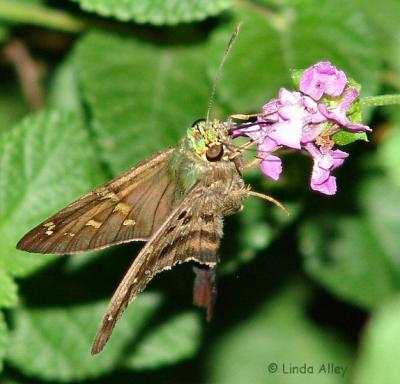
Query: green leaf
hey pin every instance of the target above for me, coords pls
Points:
(343, 254)
(356, 257)
(3, 339)
(54, 344)
(8, 291)
(255, 68)
(142, 100)
(12, 104)
(64, 89)
(379, 197)
(345, 138)
(290, 35)
(384, 17)
(380, 347)
(344, 37)
(46, 161)
(278, 333)
(175, 339)
(157, 12)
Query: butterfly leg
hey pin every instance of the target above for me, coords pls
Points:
(204, 289)
(251, 164)
(243, 117)
(271, 200)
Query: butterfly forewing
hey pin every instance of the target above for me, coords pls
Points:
(130, 207)
(189, 233)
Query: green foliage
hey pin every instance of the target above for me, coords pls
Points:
(12, 106)
(378, 362)
(157, 12)
(278, 333)
(356, 256)
(388, 152)
(44, 148)
(293, 38)
(176, 339)
(344, 255)
(150, 92)
(3, 339)
(345, 138)
(8, 290)
(337, 31)
(3, 33)
(293, 290)
(64, 355)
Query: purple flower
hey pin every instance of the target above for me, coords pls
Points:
(283, 120)
(301, 121)
(338, 114)
(325, 161)
(270, 165)
(323, 78)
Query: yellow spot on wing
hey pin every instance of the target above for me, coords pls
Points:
(94, 223)
(105, 194)
(122, 207)
(48, 233)
(129, 222)
(50, 225)
(112, 196)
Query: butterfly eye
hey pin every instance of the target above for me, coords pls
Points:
(215, 152)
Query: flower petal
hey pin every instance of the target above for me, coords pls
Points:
(339, 117)
(322, 78)
(287, 133)
(338, 158)
(328, 187)
(271, 166)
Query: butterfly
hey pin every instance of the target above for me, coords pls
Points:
(174, 200)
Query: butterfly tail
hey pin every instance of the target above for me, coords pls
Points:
(205, 289)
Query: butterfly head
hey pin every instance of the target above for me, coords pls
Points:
(207, 139)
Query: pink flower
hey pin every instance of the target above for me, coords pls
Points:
(300, 121)
(325, 161)
(323, 78)
(338, 114)
(270, 165)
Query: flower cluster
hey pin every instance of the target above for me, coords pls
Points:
(305, 120)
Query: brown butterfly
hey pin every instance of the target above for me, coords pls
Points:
(175, 200)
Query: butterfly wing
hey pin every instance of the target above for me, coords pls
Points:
(189, 233)
(130, 207)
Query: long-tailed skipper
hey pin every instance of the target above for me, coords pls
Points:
(175, 200)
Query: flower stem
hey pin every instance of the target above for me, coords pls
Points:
(35, 14)
(373, 101)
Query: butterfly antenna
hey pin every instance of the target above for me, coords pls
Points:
(221, 65)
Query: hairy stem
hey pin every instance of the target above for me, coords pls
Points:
(373, 101)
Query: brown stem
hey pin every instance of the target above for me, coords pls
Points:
(28, 72)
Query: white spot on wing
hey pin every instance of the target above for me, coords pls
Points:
(129, 222)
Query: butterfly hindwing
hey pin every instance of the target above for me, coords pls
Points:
(189, 233)
(130, 207)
